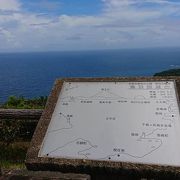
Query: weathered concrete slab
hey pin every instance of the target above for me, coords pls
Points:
(41, 175)
(29, 114)
(93, 167)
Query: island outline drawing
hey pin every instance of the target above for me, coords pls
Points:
(115, 121)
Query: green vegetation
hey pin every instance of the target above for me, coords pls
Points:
(15, 152)
(14, 102)
(171, 72)
(8, 134)
(15, 130)
(13, 155)
(13, 149)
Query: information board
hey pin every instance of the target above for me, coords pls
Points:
(115, 121)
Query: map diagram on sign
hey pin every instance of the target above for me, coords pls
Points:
(115, 121)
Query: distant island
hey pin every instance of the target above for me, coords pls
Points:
(171, 72)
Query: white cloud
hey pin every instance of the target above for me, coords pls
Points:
(10, 5)
(122, 24)
(121, 3)
(6, 33)
(138, 10)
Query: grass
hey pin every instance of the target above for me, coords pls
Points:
(13, 155)
(11, 165)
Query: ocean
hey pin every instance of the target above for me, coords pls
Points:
(33, 74)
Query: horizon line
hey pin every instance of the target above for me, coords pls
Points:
(90, 50)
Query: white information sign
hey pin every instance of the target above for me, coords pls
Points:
(115, 121)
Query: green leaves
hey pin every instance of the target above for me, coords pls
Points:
(14, 102)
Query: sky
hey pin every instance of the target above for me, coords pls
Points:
(58, 25)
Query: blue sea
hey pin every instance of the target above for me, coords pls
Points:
(33, 74)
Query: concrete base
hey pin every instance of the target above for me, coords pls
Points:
(42, 175)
